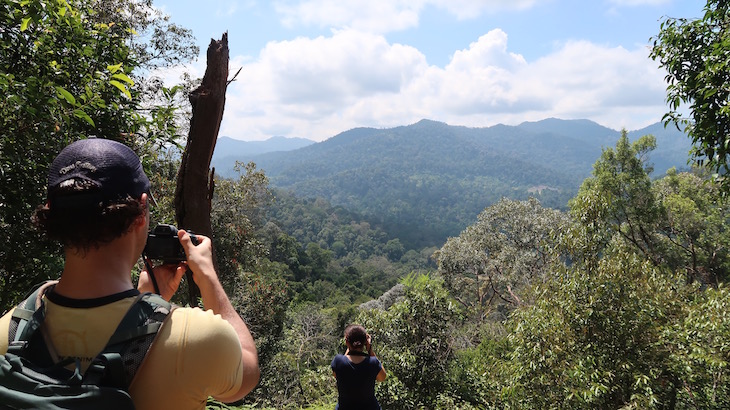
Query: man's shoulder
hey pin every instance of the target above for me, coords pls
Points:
(196, 313)
(202, 323)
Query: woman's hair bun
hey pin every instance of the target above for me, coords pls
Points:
(356, 335)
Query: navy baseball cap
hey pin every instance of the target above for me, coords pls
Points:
(111, 169)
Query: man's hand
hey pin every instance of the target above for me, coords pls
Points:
(199, 258)
(168, 279)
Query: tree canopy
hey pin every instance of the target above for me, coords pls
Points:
(696, 55)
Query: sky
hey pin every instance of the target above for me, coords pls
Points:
(315, 68)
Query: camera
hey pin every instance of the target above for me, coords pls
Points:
(163, 244)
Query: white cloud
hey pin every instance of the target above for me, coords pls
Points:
(227, 9)
(316, 88)
(466, 9)
(381, 16)
(368, 15)
(297, 84)
(614, 86)
(635, 3)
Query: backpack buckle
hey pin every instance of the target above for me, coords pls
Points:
(17, 347)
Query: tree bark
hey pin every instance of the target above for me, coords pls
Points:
(194, 190)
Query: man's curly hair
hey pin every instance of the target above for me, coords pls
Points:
(86, 228)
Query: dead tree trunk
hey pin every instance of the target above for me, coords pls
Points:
(194, 190)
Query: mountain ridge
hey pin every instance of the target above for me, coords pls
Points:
(228, 146)
(432, 179)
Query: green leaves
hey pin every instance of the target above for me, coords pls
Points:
(594, 340)
(696, 55)
(117, 76)
(66, 95)
(700, 351)
(617, 201)
(121, 88)
(84, 116)
(63, 76)
(24, 24)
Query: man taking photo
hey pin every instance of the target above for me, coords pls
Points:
(98, 208)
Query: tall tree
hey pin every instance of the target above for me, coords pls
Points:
(696, 55)
(67, 71)
(510, 246)
(62, 78)
(679, 222)
(618, 200)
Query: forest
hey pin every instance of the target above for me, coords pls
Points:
(427, 181)
(618, 299)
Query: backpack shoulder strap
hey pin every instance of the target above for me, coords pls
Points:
(118, 363)
(27, 318)
(143, 318)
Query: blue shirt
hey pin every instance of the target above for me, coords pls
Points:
(356, 383)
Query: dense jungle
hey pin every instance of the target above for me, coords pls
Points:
(612, 294)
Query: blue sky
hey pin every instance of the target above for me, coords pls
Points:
(314, 68)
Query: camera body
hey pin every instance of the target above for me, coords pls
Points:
(164, 245)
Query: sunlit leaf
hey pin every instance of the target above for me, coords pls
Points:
(121, 87)
(123, 77)
(114, 68)
(84, 116)
(66, 95)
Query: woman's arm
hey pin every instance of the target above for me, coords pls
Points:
(381, 375)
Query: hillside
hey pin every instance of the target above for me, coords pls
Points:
(229, 150)
(427, 181)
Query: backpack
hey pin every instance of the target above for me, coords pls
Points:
(30, 378)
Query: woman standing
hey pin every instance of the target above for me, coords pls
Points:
(356, 372)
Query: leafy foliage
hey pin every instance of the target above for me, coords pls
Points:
(695, 55)
(677, 222)
(56, 74)
(694, 227)
(593, 339)
(414, 339)
(236, 215)
(69, 70)
(699, 351)
(509, 247)
(618, 200)
(611, 327)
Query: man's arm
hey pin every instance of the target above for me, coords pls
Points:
(200, 261)
(4, 325)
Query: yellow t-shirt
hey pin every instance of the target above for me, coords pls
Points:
(196, 353)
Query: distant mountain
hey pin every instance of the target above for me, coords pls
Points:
(229, 150)
(429, 180)
(672, 147)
